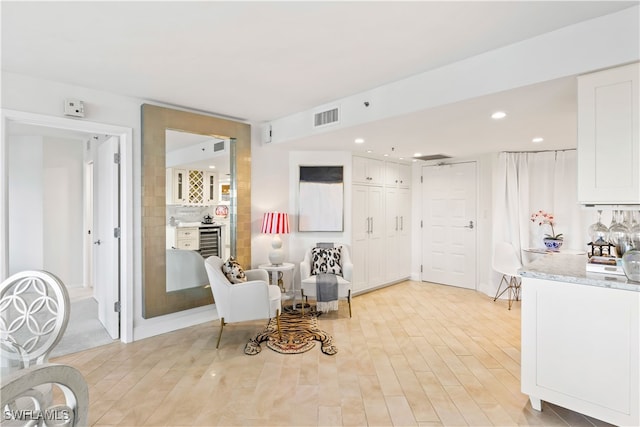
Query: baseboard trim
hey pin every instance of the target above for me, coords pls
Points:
(383, 285)
(173, 322)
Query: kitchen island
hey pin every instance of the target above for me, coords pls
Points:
(581, 339)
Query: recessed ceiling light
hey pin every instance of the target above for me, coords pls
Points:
(401, 158)
(386, 155)
(359, 140)
(417, 154)
(369, 151)
(212, 167)
(499, 115)
(537, 139)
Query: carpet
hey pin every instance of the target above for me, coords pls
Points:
(299, 334)
(84, 330)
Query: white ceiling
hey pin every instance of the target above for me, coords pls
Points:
(259, 61)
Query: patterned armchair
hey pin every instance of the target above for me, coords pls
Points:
(327, 265)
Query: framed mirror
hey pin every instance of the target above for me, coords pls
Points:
(157, 123)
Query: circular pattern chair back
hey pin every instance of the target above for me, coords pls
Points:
(34, 312)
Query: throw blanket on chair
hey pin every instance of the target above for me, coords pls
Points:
(326, 292)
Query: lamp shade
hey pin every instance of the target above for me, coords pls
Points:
(275, 223)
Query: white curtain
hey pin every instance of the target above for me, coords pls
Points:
(527, 182)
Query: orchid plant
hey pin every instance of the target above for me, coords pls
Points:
(542, 217)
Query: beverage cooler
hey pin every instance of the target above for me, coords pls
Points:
(210, 242)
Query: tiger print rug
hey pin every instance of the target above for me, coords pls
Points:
(299, 334)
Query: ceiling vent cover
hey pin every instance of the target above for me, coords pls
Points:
(218, 146)
(325, 118)
(433, 157)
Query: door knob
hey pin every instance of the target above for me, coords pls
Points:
(97, 242)
(470, 225)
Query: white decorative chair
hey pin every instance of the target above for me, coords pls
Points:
(34, 312)
(309, 281)
(21, 389)
(254, 299)
(505, 261)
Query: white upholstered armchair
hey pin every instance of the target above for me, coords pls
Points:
(309, 276)
(254, 299)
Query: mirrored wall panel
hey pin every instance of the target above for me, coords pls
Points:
(196, 203)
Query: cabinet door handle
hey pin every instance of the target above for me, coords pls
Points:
(401, 223)
(371, 225)
(396, 223)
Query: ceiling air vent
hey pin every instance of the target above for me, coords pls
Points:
(433, 157)
(218, 146)
(325, 118)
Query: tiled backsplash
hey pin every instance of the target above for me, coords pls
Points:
(188, 213)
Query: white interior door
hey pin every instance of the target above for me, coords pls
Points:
(106, 245)
(449, 224)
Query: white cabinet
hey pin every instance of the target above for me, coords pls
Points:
(397, 235)
(210, 192)
(191, 187)
(397, 174)
(368, 249)
(381, 203)
(608, 142)
(176, 186)
(187, 238)
(581, 349)
(368, 171)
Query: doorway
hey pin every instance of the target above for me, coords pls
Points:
(121, 266)
(449, 204)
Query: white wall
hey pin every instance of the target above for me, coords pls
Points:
(269, 193)
(274, 187)
(46, 202)
(26, 210)
(63, 209)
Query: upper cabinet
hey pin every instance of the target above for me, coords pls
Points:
(368, 171)
(397, 174)
(191, 187)
(608, 143)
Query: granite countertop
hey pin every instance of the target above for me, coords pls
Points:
(572, 268)
(197, 224)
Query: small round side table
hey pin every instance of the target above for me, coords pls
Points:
(277, 274)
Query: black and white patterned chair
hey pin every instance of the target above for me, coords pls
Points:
(327, 258)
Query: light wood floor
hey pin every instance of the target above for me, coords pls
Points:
(413, 354)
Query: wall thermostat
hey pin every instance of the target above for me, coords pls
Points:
(73, 107)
